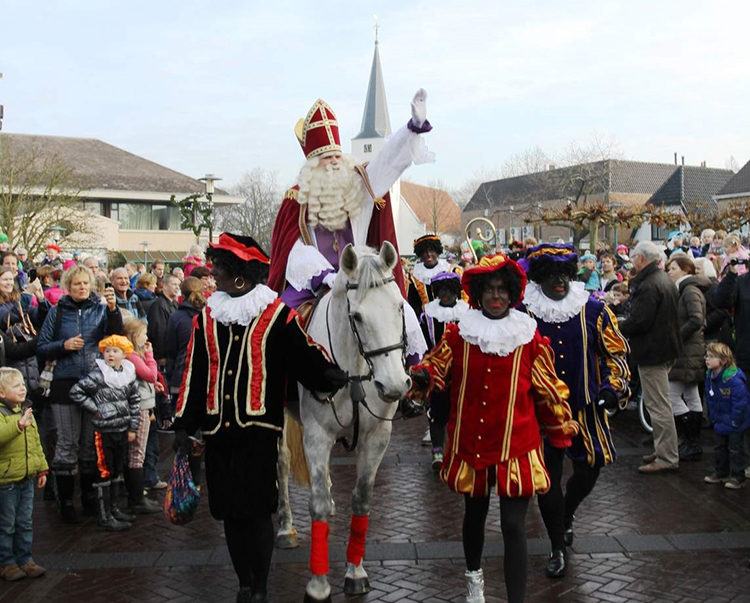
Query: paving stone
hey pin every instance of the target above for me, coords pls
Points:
(596, 544)
(693, 542)
(647, 542)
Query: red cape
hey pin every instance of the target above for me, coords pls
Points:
(292, 216)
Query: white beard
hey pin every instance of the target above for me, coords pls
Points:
(332, 196)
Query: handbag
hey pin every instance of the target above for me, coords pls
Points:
(182, 497)
(23, 331)
(48, 372)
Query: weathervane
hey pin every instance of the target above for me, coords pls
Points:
(375, 16)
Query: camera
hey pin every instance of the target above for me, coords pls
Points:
(738, 262)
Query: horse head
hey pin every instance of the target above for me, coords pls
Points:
(376, 315)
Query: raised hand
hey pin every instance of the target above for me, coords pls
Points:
(419, 108)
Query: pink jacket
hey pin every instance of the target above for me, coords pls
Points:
(191, 262)
(147, 373)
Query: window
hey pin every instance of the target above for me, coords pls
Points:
(93, 207)
(368, 148)
(114, 211)
(144, 216)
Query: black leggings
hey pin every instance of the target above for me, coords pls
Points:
(250, 545)
(557, 509)
(513, 524)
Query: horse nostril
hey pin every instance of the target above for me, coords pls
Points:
(408, 383)
(379, 386)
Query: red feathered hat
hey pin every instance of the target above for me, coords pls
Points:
(54, 247)
(245, 248)
(492, 263)
(318, 133)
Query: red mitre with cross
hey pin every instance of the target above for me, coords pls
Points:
(318, 133)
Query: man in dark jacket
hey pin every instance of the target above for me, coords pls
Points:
(126, 299)
(654, 335)
(733, 293)
(158, 317)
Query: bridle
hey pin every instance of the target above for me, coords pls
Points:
(356, 390)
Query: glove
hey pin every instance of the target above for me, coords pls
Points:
(420, 378)
(419, 108)
(608, 399)
(181, 441)
(328, 279)
(336, 378)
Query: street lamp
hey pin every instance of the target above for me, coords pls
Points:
(57, 233)
(539, 212)
(145, 245)
(511, 225)
(208, 180)
(615, 206)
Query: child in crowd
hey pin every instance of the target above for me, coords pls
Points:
(620, 300)
(728, 400)
(147, 377)
(588, 274)
(23, 459)
(110, 393)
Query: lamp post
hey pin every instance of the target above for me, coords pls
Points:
(510, 240)
(145, 245)
(615, 206)
(539, 215)
(57, 233)
(208, 181)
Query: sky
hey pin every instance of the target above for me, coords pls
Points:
(216, 87)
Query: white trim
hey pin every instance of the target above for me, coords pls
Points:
(730, 196)
(116, 195)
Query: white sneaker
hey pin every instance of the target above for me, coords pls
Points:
(426, 439)
(475, 586)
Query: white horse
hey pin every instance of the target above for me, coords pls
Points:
(361, 324)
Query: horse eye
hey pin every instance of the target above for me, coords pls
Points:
(357, 316)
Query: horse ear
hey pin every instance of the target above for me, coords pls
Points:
(349, 261)
(388, 255)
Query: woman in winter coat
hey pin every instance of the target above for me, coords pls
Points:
(70, 337)
(689, 368)
(179, 329)
(15, 310)
(718, 320)
(145, 289)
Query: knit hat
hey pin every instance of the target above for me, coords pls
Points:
(622, 248)
(116, 341)
(588, 256)
(3, 237)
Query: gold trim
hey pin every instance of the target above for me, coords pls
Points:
(461, 394)
(584, 336)
(292, 193)
(511, 404)
(302, 223)
(217, 392)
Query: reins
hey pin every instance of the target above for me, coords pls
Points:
(356, 389)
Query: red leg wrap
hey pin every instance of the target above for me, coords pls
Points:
(357, 534)
(319, 548)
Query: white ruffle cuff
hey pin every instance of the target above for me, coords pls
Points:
(304, 264)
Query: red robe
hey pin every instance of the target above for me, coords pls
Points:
(292, 218)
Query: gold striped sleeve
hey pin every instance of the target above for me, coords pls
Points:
(438, 363)
(551, 397)
(613, 354)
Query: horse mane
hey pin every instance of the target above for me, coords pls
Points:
(370, 271)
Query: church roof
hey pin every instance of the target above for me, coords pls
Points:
(375, 122)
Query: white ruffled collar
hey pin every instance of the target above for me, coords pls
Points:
(425, 275)
(497, 337)
(446, 314)
(241, 310)
(549, 310)
(115, 378)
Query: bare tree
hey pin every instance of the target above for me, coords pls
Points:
(39, 190)
(255, 217)
(443, 215)
(732, 164)
(530, 161)
(463, 194)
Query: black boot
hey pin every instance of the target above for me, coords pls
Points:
(65, 484)
(49, 489)
(681, 423)
(556, 564)
(88, 496)
(692, 451)
(137, 502)
(117, 513)
(104, 505)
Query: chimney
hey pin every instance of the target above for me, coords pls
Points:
(683, 160)
(550, 167)
(675, 158)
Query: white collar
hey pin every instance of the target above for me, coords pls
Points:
(446, 314)
(115, 378)
(241, 310)
(497, 337)
(549, 310)
(425, 275)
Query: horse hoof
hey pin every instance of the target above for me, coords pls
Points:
(309, 599)
(287, 541)
(356, 586)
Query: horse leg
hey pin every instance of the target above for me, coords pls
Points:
(369, 456)
(286, 537)
(318, 445)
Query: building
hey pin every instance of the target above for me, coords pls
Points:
(127, 196)
(513, 203)
(736, 189)
(416, 209)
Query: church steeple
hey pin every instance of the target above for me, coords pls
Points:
(375, 121)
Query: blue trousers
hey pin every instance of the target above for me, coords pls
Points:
(16, 506)
(729, 455)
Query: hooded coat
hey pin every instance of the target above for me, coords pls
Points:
(689, 367)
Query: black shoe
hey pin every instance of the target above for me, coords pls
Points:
(556, 564)
(568, 530)
(121, 515)
(145, 506)
(68, 513)
(411, 409)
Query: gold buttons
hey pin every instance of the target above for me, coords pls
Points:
(562, 372)
(236, 337)
(559, 327)
(560, 342)
(479, 437)
(561, 356)
(484, 403)
(227, 397)
(489, 370)
(486, 387)
(227, 424)
(230, 372)
(477, 455)
(481, 420)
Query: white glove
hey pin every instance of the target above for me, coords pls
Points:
(329, 279)
(419, 108)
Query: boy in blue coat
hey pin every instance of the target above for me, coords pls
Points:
(728, 401)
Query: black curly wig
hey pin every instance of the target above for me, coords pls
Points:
(544, 267)
(452, 285)
(253, 272)
(423, 246)
(510, 277)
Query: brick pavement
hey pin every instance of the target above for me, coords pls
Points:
(639, 539)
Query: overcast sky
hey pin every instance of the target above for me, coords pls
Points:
(218, 86)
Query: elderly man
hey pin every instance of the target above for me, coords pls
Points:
(126, 300)
(92, 264)
(654, 335)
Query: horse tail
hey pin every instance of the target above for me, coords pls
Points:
(297, 464)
